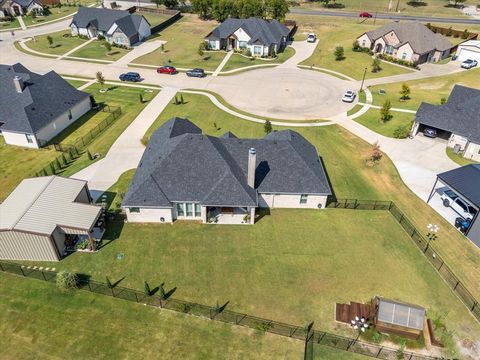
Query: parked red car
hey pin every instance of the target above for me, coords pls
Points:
(167, 70)
(365, 14)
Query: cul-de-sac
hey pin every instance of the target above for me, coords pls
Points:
(240, 179)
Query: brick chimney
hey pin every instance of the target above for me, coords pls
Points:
(18, 82)
(252, 165)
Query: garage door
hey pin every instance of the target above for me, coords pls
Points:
(465, 54)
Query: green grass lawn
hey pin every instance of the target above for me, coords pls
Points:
(41, 322)
(60, 46)
(238, 61)
(430, 90)
(55, 14)
(333, 32)
(10, 24)
(371, 119)
(181, 50)
(76, 83)
(96, 50)
(17, 163)
(458, 158)
(152, 18)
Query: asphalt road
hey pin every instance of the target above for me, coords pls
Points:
(387, 16)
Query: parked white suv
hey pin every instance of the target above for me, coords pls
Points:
(311, 38)
(468, 64)
(349, 96)
(461, 207)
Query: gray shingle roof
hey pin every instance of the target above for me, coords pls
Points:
(465, 180)
(103, 19)
(44, 98)
(182, 164)
(420, 38)
(460, 114)
(264, 32)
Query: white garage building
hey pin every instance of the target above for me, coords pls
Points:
(468, 50)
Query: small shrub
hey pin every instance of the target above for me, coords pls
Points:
(376, 65)
(385, 114)
(247, 52)
(66, 280)
(263, 327)
(267, 127)
(201, 48)
(100, 37)
(401, 132)
(356, 46)
(339, 53)
(465, 34)
(443, 100)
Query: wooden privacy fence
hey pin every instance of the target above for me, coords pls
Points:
(311, 337)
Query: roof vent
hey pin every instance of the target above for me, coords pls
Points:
(19, 85)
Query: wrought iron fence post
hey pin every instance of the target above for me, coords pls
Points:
(21, 269)
(44, 277)
(379, 351)
(475, 304)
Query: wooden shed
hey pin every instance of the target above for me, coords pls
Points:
(393, 317)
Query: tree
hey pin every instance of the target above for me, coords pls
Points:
(221, 9)
(277, 9)
(376, 65)
(385, 114)
(50, 41)
(267, 127)
(456, 2)
(170, 4)
(247, 8)
(201, 48)
(405, 92)
(339, 53)
(181, 99)
(202, 7)
(100, 78)
(157, 2)
(356, 46)
(108, 46)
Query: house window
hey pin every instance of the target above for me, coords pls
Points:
(389, 49)
(212, 44)
(404, 56)
(119, 40)
(303, 198)
(29, 138)
(189, 209)
(180, 210)
(134, 210)
(198, 210)
(257, 50)
(242, 44)
(70, 116)
(363, 43)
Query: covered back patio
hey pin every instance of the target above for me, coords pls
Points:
(230, 215)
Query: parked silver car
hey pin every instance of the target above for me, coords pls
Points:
(349, 96)
(468, 64)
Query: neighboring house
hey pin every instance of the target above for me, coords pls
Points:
(44, 216)
(408, 41)
(187, 175)
(465, 182)
(261, 37)
(117, 26)
(35, 108)
(458, 120)
(20, 7)
(469, 49)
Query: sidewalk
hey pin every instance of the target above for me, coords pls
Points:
(223, 63)
(76, 48)
(21, 22)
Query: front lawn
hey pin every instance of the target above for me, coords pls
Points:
(333, 32)
(371, 119)
(41, 322)
(238, 61)
(60, 46)
(55, 14)
(429, 90)
(96, 50)
(181, 50)
(76, 83)
(9, 24)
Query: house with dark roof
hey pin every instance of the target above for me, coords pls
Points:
(185, 174)
(117, 26)
(408, 41)
(458, 121)
(20, 7)
(35, 108)
(261, 37)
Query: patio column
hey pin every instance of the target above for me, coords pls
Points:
(252, 215)
(204, 214)
(91, 240)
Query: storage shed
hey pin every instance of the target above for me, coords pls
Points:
(42, 215)
(398, 318)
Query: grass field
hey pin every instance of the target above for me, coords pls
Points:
(76, 83)
(181, 50)
(60, 46)
(55, 14)
(96, 50)
(458, 158)
(238, 61)
(10, 24)
(371, 119)
(152, 18)
(40, 322)
(333, 32)
(17, 163)
(430, 90)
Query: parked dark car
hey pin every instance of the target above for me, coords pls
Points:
(365, 14)
(130, 76)
(196, 73)
(167, 70)
(429, 132)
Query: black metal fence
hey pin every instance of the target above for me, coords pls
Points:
(71, 151)
(423, 244)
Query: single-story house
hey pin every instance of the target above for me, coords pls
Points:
(117, 26)
(469, 49)
(261, 37)
(20, 7)
(465, 183)
(458, 120)
(35, 108)
(187, 175)
(44, 216)
(409, 41)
